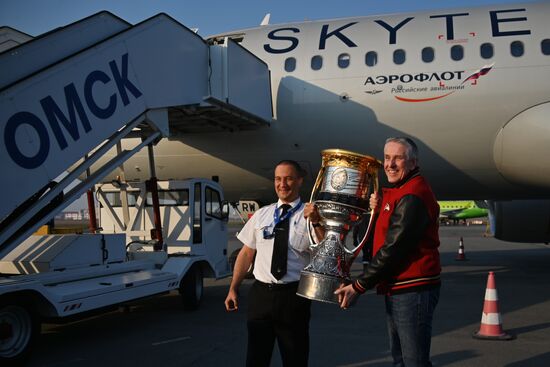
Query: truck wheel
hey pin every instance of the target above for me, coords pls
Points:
(18, 329)
(191, 288)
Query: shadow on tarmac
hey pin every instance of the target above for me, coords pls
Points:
(157, 331)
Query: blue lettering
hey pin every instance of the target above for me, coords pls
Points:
(495, 23)
(449, 20)
(336, 32)
(53, 113)
(272, 36)
(393, 30)
(10, 130)
(122, 81)
(67, 119)
(102, 113)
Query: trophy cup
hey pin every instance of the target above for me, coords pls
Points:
(341, 194)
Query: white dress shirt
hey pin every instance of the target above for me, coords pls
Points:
(252, 235)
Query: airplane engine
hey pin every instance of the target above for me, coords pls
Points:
(521, 147)
(522, 220)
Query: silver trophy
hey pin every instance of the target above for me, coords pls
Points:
(341, 194)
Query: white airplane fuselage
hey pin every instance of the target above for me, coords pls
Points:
(481, 122)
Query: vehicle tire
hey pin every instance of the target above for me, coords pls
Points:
(191, 288)
(19, 328)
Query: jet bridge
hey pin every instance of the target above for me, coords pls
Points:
(70, 95)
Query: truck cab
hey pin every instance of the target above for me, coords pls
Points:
(193, 216)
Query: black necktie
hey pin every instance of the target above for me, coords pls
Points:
(280, 245)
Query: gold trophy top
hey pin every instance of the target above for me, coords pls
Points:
(345, 158)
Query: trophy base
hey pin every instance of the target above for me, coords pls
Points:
(319, 287)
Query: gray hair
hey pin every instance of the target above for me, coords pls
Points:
(412, 149)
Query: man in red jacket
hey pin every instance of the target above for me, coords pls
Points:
(405, 266)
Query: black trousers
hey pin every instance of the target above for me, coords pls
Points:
(277, 313)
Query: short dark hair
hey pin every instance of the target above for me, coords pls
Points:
(412, 149)
(289, 162)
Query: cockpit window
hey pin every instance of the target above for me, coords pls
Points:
(545, 46)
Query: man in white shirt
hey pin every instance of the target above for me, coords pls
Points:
(275, 239)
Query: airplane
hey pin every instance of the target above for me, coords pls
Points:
(469, 85)
(457, 210)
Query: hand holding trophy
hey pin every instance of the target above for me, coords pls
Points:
(341, 194)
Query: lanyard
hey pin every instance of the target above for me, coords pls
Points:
(277, 219)
(288, 214)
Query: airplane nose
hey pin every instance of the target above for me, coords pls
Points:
(522, 151)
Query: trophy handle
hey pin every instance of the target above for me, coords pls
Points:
(355, 251)
(312, 243)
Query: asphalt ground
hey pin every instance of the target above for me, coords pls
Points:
(157, 332)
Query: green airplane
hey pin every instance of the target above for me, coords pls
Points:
(456, 210)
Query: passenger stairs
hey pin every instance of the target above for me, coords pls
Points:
(70, 95)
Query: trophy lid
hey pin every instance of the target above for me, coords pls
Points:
(341, 157)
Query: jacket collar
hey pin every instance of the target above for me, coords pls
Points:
(415, 172)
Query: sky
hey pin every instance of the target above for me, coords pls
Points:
(35, 17)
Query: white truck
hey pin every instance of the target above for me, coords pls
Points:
(55, 276)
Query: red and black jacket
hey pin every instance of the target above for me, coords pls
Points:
(406, 240)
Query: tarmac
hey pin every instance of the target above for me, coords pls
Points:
(157, 332)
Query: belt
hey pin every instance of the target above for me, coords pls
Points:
(276, 286)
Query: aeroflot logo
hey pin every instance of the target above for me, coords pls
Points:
(441, 90)
(61, 124)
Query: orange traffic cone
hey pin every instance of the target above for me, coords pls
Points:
(461, 256)
(491, 323)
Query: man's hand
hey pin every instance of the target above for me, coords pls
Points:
(245, 258)
(346, 295)
(231, 301)
(374, 202)
(312, 213)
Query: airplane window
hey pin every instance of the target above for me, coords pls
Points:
(545, 46)
(316, 62)
(290, 64)
(343, 61)
(399, 56)
(457, 52)
(428, 54)
(371, 58)
(516, 48)
(486, 50)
